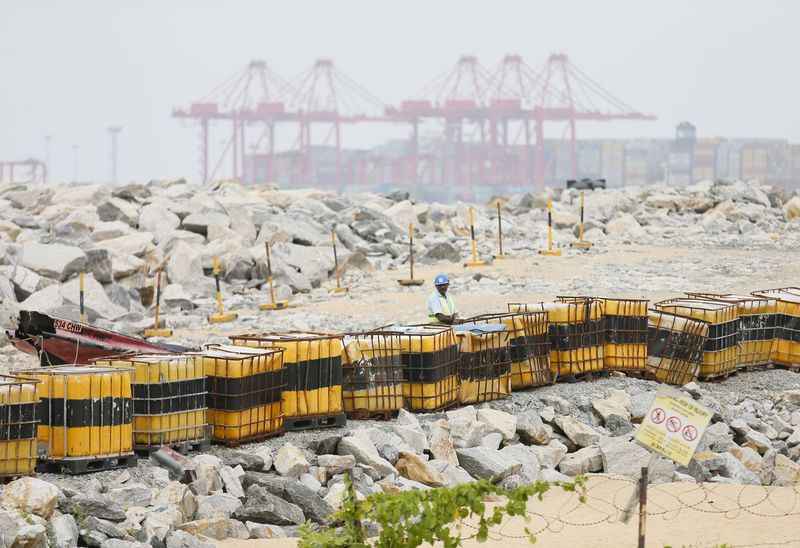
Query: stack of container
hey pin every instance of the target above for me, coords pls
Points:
(719, 356)
(786, 350)
(483, 363)
(312, 396)
(169, 400)
(528, 351)
(675, 347)
(625, 324)
(85, 418)
(372, 375)
(758, 317)
(244, 388)
(18, 426)
(575, 334)
(430, 366)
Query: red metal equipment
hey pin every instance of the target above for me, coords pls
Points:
(37, 170)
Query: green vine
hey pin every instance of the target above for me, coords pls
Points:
(411, 518)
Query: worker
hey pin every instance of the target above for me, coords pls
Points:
(441, 310)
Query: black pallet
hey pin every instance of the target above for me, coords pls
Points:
(366, 414)
(182, 447)
(719, 376)
(587, 376)
(86, 465)
(320, 421)
(755, 367)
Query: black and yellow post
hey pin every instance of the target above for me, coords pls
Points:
(273, 304)
(500, 232)
(475, 261)
(157, 331)
(550, 250)
(339, 288)
(411, 280)
(221, 316)
(581, 243)
(83, 312)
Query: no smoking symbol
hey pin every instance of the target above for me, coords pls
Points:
(673, 424)
(658, 415)
(689, 433)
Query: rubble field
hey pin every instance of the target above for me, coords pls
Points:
(651, 242)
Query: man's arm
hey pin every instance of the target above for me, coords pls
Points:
(445, 319)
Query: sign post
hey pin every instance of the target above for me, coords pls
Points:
(672, 427)
(550, 250)
(581, 243)
(411, 280)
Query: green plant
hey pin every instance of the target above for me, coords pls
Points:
(412, 518)
(79, 514)
(51, 535)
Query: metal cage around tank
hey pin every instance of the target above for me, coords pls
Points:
(675, 347)
(19, 398)
(483, 363)
(372, 374)
(786, 350)
(625, 326)
(719, 355)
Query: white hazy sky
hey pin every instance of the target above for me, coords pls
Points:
(70, 68)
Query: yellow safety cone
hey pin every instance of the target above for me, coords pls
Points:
(273, 304)
(550, 250)
(156, 332)
(500, 233)
(411, 280)
(82, 310)
(221, 316)
(339, 288)
(581, 243)
(475, 261)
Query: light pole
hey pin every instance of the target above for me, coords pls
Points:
(113, 131)
(75, 163)
(47, 139)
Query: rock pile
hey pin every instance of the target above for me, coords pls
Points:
(121, 236)
(267, 490)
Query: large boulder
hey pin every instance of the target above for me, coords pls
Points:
(96, 301)
(158, 220)
(312, 505)
(31, 495)
(413, 467)
(185, 266)
(482, 462)
(623, 458)
(579, 433)
(365, 452)
(55, 261)
(136, 244)
(290, 461)
(501, 422)
(117, 209)
(264, 507)
(217, 528)
(199, 222)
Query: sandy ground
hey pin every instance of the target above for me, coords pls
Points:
(679, 514)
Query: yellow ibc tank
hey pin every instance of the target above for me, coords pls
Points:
(85, 411)
(719, 355)
(786, 350)
(483, 365)
(625, 322)
(313, 371)
(758, 318)
(372, 374)
(430, 360)
(527, 346)
(675, 347)
(18, 432)
(244, 392)
(575, 334)
(169, 398)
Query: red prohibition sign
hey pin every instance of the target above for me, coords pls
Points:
(657, 415)
(689, 433)
(673, 424)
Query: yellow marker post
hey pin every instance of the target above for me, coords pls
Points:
(475, 261)
(221, 316)
(273, 304)
(500, 233)
(156, 332)
(411, 280)
(550, 250)
(83, 312)
(339, 288)
(581, 243)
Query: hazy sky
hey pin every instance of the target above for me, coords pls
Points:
(70, 68)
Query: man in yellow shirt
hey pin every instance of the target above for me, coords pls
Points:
(441, 309)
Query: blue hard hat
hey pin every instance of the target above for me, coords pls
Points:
(441, 279)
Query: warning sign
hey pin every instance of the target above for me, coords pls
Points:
(674, 425)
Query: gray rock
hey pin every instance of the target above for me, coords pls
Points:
(336, 464)
(158, 220)
(525, 455)
(218, 505)
(182, 539)
(93, 505)
(365, 453)
(388, 452)
(640, 405)
(492, 441)
(106, 527)
(482, 462)
(531, 429)
(550, 455)
(231, 481)
(513, 482)
(272, 483)
(325, 446)
(413, 436)
(117, 209)
(309, 501)
(441, 251)
(717, 437)
(55, 261)
(581, 434)
(695, 470)
(248, 461)
(264, 507)
(200, 221)
(618, 426)
(264, 531)
(133, 494)
(498, 421)
(290, 461)
(623, 458)
(467, 433)
(588, 459)
(65, 531)
(31, 536)
(311, 482)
